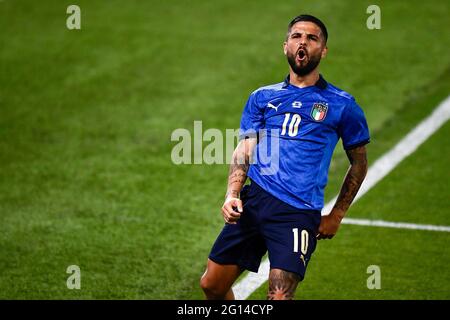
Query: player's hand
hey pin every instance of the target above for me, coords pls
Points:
(329, 225)
(232, 209)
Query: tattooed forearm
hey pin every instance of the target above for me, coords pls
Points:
(239, 175)
(240, 164)
(282, 285)
(353, 179)
(236, 178)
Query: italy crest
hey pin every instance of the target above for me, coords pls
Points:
(319, 111)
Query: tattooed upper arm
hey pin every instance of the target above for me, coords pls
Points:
(357, 155)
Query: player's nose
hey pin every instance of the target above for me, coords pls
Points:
(302, 44)
(302, 41)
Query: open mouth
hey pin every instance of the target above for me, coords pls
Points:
(301, 55)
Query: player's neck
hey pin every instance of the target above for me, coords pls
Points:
(304, 81)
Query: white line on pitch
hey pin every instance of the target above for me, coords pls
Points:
(252, 281)
(399, 225)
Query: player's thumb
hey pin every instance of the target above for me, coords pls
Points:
(238, 204)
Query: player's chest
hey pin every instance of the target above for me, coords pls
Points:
(296, 115)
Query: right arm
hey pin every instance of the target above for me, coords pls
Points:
(240, 163)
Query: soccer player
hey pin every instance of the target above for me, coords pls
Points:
(299, 122)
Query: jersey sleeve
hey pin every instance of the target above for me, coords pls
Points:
(353, 128)
(252, 118)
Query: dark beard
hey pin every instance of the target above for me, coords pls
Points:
(303, 70)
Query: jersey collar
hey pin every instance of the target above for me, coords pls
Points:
(321, 83)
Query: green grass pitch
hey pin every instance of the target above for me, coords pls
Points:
(86, 117)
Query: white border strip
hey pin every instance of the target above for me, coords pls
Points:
(245, 287)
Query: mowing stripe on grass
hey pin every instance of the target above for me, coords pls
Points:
(244, 288)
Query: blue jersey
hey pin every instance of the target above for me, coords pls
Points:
(298, 129)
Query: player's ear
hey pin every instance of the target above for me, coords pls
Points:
(285, 48)
(324, 52)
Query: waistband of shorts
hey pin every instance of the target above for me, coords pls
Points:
(306, 211)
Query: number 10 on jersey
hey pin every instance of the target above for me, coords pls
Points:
(293, 124)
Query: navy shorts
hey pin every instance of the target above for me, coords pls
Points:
(268, 224)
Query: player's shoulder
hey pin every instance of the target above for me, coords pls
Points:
(271, 87)
(265, 93)
(339, 93)
(268, 89)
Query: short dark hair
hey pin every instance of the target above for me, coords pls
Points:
(308, 18)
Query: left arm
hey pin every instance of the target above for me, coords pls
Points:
(352, 182)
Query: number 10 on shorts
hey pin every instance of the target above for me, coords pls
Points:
(304, 240)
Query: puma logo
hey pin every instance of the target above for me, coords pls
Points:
(270, 105)
(303, 259)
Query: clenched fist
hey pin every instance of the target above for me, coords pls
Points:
(231, 204)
